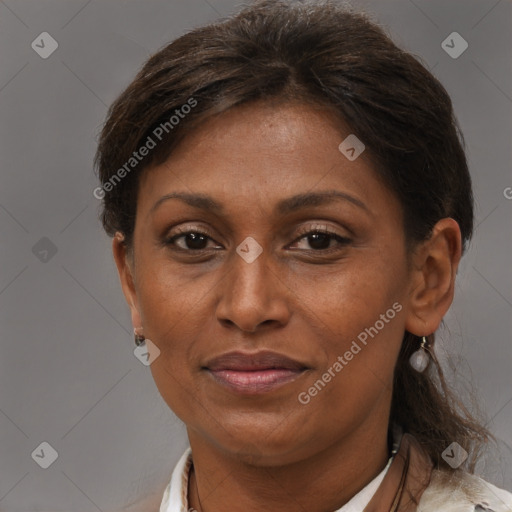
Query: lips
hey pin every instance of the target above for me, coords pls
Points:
(266, 360)
(256, 373)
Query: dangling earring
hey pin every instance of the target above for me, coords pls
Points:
(419, 360)
(139, 338)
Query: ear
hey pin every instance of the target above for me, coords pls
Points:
(434, 267)
(125, 267)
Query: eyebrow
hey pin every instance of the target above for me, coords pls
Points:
(283, 207)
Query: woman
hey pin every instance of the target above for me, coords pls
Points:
(289, 200)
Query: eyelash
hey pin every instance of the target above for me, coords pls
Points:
(342, 241)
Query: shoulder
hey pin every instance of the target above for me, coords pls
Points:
(459, 491)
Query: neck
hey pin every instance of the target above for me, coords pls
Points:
(323, 482)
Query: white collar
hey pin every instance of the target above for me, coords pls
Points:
(175, 494)
(363, 497)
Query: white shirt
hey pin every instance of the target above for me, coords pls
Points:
(175, 494)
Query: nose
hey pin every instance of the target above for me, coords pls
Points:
(253, 295)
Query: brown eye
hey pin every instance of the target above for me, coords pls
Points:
(320, 240)
(192, 241)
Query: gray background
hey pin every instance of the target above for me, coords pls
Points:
(68, 375)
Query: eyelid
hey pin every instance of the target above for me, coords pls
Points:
(302, 231)
(322, 228)
(192, 228)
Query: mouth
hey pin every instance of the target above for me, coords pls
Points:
(256, 373)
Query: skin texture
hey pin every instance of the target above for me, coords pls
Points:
(269, 451)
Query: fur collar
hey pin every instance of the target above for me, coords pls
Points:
(460, 491)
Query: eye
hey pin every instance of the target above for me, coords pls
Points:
(320, 239)
(193, 240)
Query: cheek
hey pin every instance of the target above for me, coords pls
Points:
(350, 299)
(361, 317)
(171, 298)
(177, 392)
(175, 308)
(359, 376)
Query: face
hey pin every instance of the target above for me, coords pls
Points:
(321, 283)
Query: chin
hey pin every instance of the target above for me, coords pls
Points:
(263, 446)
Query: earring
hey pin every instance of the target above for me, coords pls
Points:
(139, 338)
(419, 360)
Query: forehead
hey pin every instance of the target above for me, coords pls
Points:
(263, 152)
